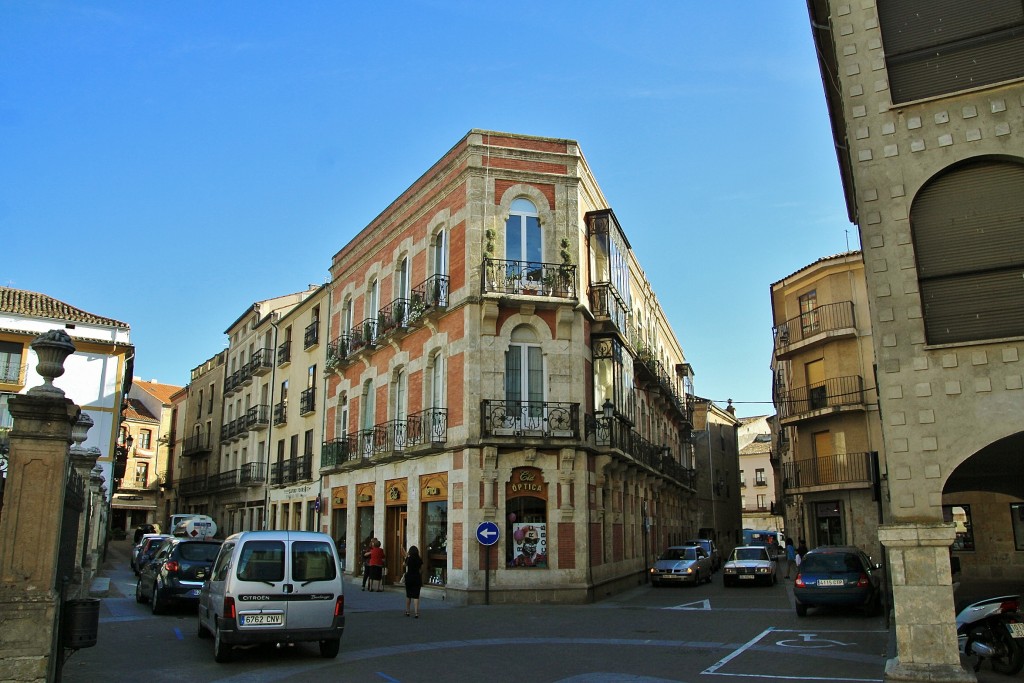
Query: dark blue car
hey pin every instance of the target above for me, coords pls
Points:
(838, 576)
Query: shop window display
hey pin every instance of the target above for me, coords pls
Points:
(435, 532)
(526, 543)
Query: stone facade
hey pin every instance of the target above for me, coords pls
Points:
(952, 408)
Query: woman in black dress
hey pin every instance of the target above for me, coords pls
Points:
(413, 580)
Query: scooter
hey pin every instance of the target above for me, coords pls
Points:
(992, 629)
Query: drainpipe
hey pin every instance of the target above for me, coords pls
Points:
(270, 427)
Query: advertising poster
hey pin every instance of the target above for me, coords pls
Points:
(530, 541)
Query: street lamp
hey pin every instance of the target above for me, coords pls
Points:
(608, 409)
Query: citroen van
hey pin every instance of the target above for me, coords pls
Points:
(273, 587)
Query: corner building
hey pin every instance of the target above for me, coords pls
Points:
(926, 101)
(497, 355)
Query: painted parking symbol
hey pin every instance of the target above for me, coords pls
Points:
(810, 641)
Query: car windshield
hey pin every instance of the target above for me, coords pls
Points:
(831, 563)
(703, 544)
(198, 552)
(750, 554)
(679, 554)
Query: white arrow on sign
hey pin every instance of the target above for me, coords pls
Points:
(703, 605)
(488, 532)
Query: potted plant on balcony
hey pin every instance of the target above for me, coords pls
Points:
(416, 307)
(398, 315)
(368, 333)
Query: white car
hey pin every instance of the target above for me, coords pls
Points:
(750, 564)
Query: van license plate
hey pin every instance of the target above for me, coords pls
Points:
(262, 619)
(1016, 630)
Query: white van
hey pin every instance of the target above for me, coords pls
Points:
(274, 587)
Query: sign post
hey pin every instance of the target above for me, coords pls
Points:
(487, 533)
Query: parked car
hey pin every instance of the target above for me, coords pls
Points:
(711, 548)
(175, 573)
(274, 587)
(841, 576)
(144, 549)
(681, 564)
(750, 564)
(143, 529)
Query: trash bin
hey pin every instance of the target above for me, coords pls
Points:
(81, 622)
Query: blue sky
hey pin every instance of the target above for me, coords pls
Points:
(167, 164)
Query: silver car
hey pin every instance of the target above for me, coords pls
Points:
(750, 564)
(273, 587)
(681, 564)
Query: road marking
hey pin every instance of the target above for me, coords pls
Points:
(810, 638)
(703, 605)
(713, 670)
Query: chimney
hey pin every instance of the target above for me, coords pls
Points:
(731, 409)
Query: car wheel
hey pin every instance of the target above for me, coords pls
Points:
(221, 650)
(801, 610)
(156, 603)
(329, 648)
(139, 597)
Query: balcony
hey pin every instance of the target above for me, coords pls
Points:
(193, 486)
(829, 470)
(311, 336)
(529, 278)
(838, 394)
(246, 476)
(544, 419)
(284, 353)
(426, 428)
(196, 445)
(307, 401)
(262, 362)
(134, 483)
(651, 374)
(425, 299)
(615, 434)
(826, 322)
(281, 413)
(257, 417)
(11, 372)
(608, 308)
(292, 471)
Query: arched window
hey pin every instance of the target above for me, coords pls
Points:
(402, 280)
(347, 323)
(439, 256)
(437, 383)
(400, 393)
(968, 231)
(373, 307)
(522, 234)
(524, 374)
(341, 417)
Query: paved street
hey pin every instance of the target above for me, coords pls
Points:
(645, 635)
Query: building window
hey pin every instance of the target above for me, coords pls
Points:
(437, 383)
(743, 481)
(440, 254)
(199, 411)
(759, 478)
(307, 444)
(10, 363)
(522, 235)
(524, 377)
(209, 402)
(1017, 520)
(960, 515)
(435, 535)
(809, 323)
(969, 247)
(145, 439)
(762, 501)
(142, 474)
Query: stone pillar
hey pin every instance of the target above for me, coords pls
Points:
(923, 603)
(31, 524)
(83, 460)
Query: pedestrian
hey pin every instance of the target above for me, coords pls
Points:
(376, 566)
(801, 550)
(413, 581)
(367, 546)
(790, 557)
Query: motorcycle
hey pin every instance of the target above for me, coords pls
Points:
(992, 629)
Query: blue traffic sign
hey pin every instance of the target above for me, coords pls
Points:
(487, 533)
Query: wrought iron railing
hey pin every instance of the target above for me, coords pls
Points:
(311, 335)
(606, 304)
(611, 432)
(262, 361)
(429, 426)
(281, 412)
(257, 417)
(196, 444)
(284, 353)
(400, 314)
(530, 418)
(841, 468)
(832, 393)
(530, 277)
(190, 486)
(307, 401)
(292, 470)
(824, 318)
(11, 372)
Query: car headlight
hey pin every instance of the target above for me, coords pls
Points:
(730, 570)
(763, 570)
